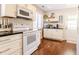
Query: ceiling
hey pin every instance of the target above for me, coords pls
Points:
(50, 7)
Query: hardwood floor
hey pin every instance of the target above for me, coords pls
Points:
(52, 47)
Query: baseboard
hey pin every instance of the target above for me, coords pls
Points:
(59, 40)
(74, 42)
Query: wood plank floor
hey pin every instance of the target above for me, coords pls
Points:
(52, 47)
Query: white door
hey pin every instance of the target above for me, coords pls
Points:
(35, 22)
(78, 34)
(71, 28)
(38, 22)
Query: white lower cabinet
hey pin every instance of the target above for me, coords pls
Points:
(53, 34)
(39, 36)
(11, 44)
(17, 52)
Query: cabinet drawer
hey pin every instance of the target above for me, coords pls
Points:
(16, 36)
(17, 52)
(10, 47)
(11, 38)
(4, 40)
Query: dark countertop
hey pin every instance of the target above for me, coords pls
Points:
(53, 28)
(8, 33)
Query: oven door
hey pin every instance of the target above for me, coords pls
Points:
(30, 42)
(24, 13)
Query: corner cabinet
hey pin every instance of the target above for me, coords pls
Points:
(8, 10)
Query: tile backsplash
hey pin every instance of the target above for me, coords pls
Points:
(23, 21)
(19, 21)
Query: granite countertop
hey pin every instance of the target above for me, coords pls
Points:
(53, 28)
(6, 33)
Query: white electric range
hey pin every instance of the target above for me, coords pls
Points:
(30, 38)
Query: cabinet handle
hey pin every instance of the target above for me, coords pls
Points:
(4, 40)
(5, 50)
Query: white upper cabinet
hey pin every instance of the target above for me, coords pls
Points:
(8, 10)
(27, 6)
(33, 9)
(24, 6)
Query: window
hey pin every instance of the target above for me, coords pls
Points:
(72, 22)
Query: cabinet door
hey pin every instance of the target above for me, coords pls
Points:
(41, 34)
(53, 34)
(59, 34)
(10, 38)
(48, 33)
(10, 47)
(39, 37)
(17, 52)
(33, 9)
(8, 10)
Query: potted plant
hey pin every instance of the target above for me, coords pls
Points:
(45, 17)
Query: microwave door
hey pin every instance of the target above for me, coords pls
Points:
(24, 13)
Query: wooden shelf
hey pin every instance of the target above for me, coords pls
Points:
(50, 21)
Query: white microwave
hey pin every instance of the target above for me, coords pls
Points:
(24, 13)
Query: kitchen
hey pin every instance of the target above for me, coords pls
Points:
(25, 27)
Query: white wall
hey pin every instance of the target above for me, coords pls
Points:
(78, 35)
(0, 9)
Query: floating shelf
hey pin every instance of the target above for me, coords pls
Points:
(50, 21)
